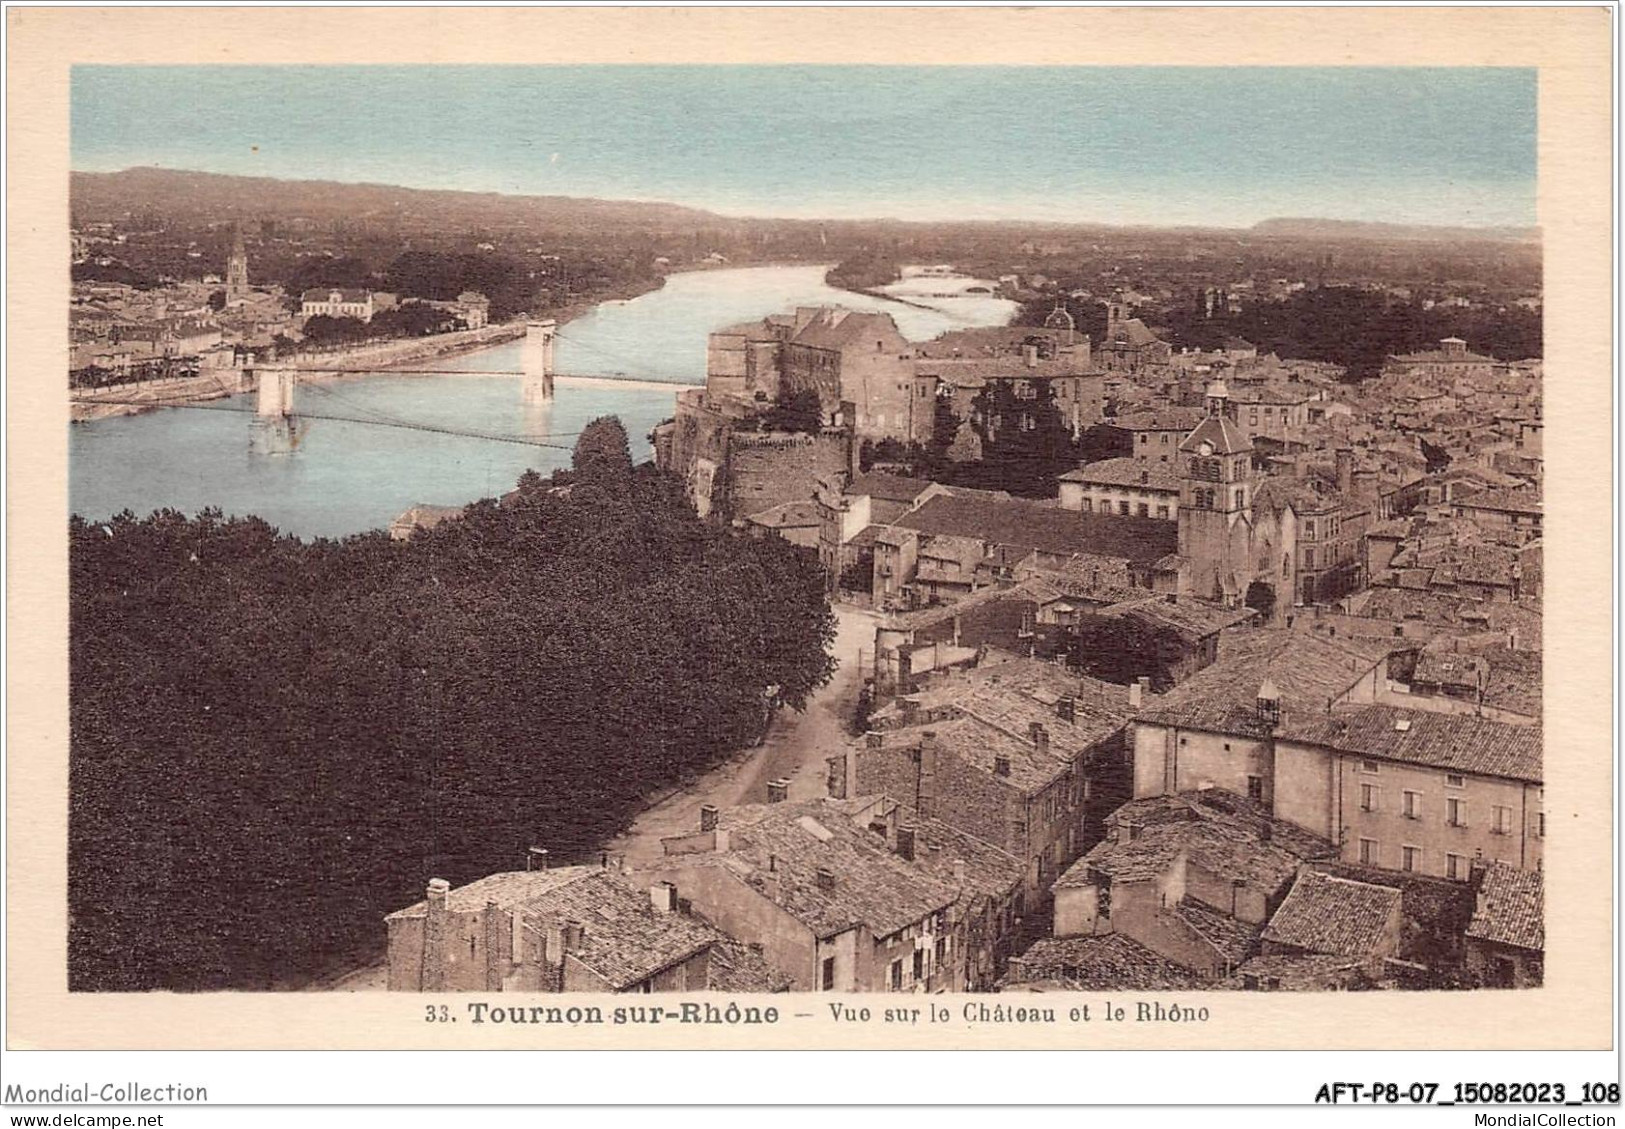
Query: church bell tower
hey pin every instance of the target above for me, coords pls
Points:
(237, 268)
(1215, 502)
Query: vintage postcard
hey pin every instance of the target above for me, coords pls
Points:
(971, 538)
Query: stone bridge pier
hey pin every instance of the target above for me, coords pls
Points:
(536, 358)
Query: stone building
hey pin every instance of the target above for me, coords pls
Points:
(1193, 877)
(830, 905)
(1125, 486)
(337, 303)
(571, 929)
(1233, 546)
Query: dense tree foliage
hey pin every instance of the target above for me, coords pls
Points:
(1115, 649)
(601, 450)
(1345, 325)
(795, 411)
(409, 319)
(1026, 445)
(274, 743)
(442, 275)
(869, 269)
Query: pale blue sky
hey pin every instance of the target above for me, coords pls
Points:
(1226, 146)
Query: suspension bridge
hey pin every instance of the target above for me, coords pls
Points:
(277, 426)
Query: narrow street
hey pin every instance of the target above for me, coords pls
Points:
(795, 749)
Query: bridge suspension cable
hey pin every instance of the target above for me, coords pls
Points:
(405, 425)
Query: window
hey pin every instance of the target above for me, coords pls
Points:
(1368, 766)
(1455, 812)
(1540, 825)
(1162, 511)
(1122, 508)
(897, 976)
(1308, 526)
(1454, 782)
(919, 964)
(1413, 805)
(1411, 859)
(1164, 440)
(1308, 558)
(1370, 855)
(1144, 439)
(1255, 788)
(827, 979)
(1143, 510)
(1455, 867)
(1368, 797)
(1503, 820)
(1088, 505)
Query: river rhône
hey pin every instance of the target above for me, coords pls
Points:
(357, 473)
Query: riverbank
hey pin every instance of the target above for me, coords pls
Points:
(147, 395)
(328, 365)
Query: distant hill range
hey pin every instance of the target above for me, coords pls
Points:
(214, 197)
(1390, 232)
(102, 196)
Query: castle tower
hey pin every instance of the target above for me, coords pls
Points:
(237, 268)
(1215, 503)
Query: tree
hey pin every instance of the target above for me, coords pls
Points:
(1119, 649)
(273, 743)
(217, 300)
(795, 411)
(602, 449)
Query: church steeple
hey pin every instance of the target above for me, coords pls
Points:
(237, 267)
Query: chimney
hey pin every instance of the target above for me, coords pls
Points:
(491, 932)
(1266, 832)
(1040, 738)
(778, 791)
(536, 858)
(722, 840)
(905, 842)
(1345, 470)
(434, 936)
(1135, 695)
(572, 936)
(708, 817)
(959, 872)
(1029, 355)
(1067, 709)
(826, 879)
(663, 897)
(835, 776)
(1001, 765)
(909, 708)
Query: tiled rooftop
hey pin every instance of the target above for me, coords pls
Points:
(779, 849)
(1453, 742)
(1109, 962)
(1327, 914)
(1025, 525)
(1514, 910)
